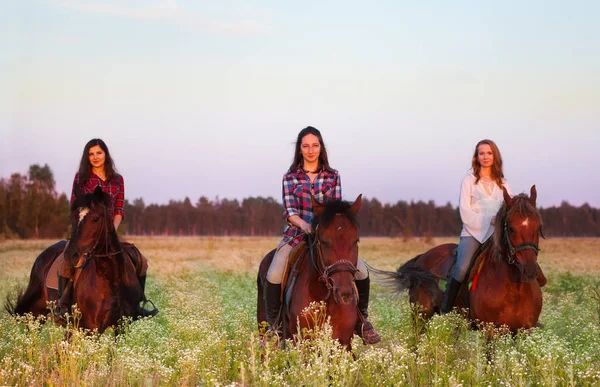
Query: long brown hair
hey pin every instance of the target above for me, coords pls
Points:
(84, 164)
(298, 159)
(497, 174)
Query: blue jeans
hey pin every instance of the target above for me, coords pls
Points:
(466, 249)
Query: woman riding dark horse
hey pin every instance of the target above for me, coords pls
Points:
(324, 270)
(105, 284)
(310, 176)
(96, 169)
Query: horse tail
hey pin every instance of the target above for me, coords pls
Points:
(407, 277)
(27, 300)
(10, 305)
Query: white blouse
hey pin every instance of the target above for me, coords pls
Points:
(477, 207)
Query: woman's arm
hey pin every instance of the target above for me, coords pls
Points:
(477, 224)
(117, 221)
(290, 207)
(300, 223)
(337, 193)
(119, 203)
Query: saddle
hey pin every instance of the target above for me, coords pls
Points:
(137, 259)
(52, 276)
(292, 268)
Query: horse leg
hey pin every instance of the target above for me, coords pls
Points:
(261, 314)
(422, 310)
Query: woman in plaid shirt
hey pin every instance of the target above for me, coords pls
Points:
(310, 174)
(97, 168)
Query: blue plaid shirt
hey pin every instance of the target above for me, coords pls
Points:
(297, 190)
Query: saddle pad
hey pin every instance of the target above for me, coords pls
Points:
(52, 276)
(293, 257)
(443, 266)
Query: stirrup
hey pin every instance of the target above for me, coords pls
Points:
(148, 312)
(271, 335)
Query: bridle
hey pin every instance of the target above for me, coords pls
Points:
(326, 271)
(91, 252)
(512, 250)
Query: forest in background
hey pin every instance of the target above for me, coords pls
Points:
(30, 207)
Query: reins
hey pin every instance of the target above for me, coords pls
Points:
(512, 250)
(326, 271)
(89, 254)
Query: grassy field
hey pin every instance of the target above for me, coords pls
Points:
(205, 333)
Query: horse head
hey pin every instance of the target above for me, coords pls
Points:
(336, 241)
(520, 226)
(91, 223)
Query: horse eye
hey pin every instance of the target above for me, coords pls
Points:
(96, 219)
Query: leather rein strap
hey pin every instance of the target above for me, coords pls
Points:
(326, 271)
(512, 250)
(89, 254)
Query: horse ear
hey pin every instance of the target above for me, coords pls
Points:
(98, 193)
(533, 195)
(317, 207)
(507, 199)
(356, 205)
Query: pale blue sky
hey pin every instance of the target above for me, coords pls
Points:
(206, 98)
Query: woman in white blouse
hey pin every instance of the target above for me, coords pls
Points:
(480, 199)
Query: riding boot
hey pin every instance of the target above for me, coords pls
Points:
(363, 327)
(141, 312)
(450, 295)
(272, 304)
(63, 302)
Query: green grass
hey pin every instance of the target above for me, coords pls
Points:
(205, 334)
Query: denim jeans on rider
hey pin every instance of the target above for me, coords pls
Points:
(466, 249)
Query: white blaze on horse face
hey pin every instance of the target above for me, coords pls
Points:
(83, 211)
(525, 222)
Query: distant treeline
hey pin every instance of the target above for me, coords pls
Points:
(30, 207)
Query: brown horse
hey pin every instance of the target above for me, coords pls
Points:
(105, 286)
(506, 277)
(325, 272)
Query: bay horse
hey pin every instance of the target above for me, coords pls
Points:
(105, 286)
(506, 278)
(325, 272)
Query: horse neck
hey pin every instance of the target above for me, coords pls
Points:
(108, 241)
(498, 266)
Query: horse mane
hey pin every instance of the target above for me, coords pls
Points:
(332, 208)
(521, 204)
(90, 200)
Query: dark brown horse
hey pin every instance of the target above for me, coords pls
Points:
(506, 277)
(324, 274)
(105, 286)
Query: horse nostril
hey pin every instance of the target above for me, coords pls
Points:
(531, 271)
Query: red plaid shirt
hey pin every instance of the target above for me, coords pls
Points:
(297, 189)
(115, 187)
